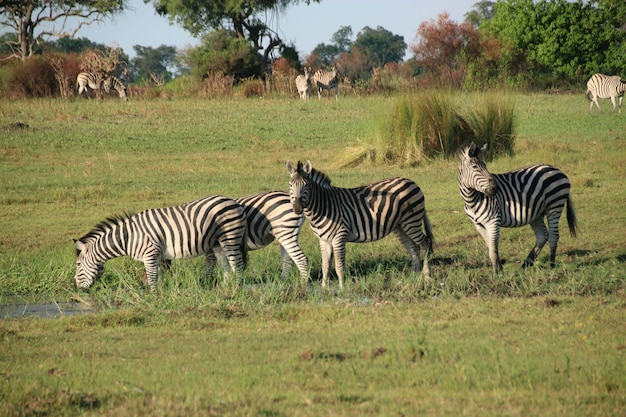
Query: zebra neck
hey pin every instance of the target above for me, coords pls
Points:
(113, 243)
(471, 197)
(323, 202)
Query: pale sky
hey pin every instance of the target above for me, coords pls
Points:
(305, 26)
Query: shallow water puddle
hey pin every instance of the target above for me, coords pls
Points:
(53, 310)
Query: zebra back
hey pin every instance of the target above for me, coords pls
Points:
(177, 232)
(88, 80)
(326, 80)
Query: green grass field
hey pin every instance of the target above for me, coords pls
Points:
(539, 341)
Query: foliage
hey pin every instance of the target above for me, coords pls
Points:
(153, 64)
(221, 51)
(445, 49)
(242, 17)
(36, 21)
(481, 11)
(341, 42)
(380, 46)
(429, 125)
(559, 39)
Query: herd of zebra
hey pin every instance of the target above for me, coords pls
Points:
(321, 79)
(225, 229)
(86, 81)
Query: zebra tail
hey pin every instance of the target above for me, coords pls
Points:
(429, 232)
(589, 95)
(571, 218)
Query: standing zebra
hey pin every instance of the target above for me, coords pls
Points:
(303, 83)
(117, 85)
(604, 86)
(362, 214)
(179, 232)
(514, 199)
(88, 80)
(270, 216)
(326, 80)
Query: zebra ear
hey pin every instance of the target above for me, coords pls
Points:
(470, 151)
(307, 167)
(290, 167)
(79, 245)
(482, 151)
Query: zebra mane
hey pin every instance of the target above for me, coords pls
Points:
(319, 178)
(106, 225)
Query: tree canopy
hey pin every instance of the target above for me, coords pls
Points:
(35, 21)
(242, 17)
(380, 46)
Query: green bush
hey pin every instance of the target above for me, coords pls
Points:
(431, 125)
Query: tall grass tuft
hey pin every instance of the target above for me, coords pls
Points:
(491, 120)
(430, 125)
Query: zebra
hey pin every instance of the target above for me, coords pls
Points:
(303, 83)
(362, 214)
(178, 232)
(88, 80)
(605, 86)
(514, 199)
(326, 80)
(270, 216)
(117, 85)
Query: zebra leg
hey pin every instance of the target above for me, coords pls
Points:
(541, 237)
(491, 236)
(553, 235)
(412, 248)
(339, 251)
(613, 103)
(211, 263)
(151, 273)
(291, 252)
(327, 252)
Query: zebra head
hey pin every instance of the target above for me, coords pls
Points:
(473, 172)
(298, 185)
(88, 268)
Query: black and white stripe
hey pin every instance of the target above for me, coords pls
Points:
(605, 86)
(270, 216)
(303, 83)
(362, 214)
(114, 83)
(179, 232)
(86, 81)
(326, 80)
(514, 199)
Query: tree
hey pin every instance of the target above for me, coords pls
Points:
(445, 48)
(242, 17)
(481, 11)
(341, 42)
(153, 63)
(380, 46)
(35, 21)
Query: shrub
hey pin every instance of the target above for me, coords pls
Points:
(429, 125)
(33, 77)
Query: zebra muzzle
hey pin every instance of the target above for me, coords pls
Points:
(297, 205)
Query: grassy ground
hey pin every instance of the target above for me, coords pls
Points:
(533, 342)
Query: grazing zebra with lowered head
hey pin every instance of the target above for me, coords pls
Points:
(179, 232)
(326, 80)
(114, 83)
(514, 199)
(303, 83)
(604, 86)
(88, 80)
(362, 214)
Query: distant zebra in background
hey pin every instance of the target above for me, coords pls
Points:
(362, 214)
(179, 232)
(88, 80)
(303, 83)
(270, 216)
(117, 85)
(514, 199)
(605, 86)
(326, 80)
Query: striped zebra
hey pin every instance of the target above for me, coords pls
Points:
(605, 86)
(303, 83)
(179, 232)
(88, 80)
(362, 214)
(114, 83)
(514, 199)
(326, 80)
(270, 216)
